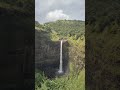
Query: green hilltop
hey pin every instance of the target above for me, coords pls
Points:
(64, 28)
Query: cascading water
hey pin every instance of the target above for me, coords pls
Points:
(61, 62)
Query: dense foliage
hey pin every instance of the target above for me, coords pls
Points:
(64, 83)
(102, 44)
(67, 27)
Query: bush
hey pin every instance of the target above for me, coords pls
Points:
(64, 83)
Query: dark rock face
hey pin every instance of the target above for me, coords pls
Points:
(47, 56)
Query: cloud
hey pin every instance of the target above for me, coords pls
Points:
(75, 9)
(57, 15)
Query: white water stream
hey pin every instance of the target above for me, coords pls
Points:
(61, 61)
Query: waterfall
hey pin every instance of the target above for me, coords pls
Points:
(61, 62)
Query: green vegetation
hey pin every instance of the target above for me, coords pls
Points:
(102, 44)
(67, 28)
(74, 32)
(63, 83)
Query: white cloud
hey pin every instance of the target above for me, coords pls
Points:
(73, 8)
(57, 15)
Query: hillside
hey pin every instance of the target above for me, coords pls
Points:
(102, 44)
(67, 27)
(47, 48)
(48, 33)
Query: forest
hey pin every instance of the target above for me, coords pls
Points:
(47, 38)
(102, 33)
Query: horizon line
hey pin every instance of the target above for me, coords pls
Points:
(58, 20)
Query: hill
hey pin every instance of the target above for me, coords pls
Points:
(67, 27)
(47, 53)
(49, 33)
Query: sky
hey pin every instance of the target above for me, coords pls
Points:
(52, 10)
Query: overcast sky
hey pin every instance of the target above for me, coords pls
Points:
(52, 10)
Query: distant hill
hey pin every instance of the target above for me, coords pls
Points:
(63, 28)
(67, 27)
